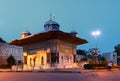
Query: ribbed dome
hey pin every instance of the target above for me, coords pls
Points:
(51, 25)
(51, 22)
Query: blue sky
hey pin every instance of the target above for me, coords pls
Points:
(84, 16)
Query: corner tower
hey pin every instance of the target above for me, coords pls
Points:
(74, 33)
(25, 34)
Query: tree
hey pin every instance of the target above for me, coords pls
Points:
(84, 59)
(81, 52)
(94, 51)
(94, 55)
(11, 61)
(101, 58)
(117, 50)
(1, 40)
(90, 57)
(81, 55)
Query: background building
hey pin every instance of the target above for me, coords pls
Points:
(111, 56)
(6, 50)
(51, 48)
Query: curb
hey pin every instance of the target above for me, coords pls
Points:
(48, 71)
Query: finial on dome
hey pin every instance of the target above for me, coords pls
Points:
(73, 27)
(74, 33)
(51, 24)
(54, 18)
(50, 16)
(26, 28)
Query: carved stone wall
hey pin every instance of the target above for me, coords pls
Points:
(54, 52)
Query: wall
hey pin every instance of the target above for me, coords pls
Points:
(6, 50)
(66, 54)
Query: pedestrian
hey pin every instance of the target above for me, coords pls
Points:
(110, 65)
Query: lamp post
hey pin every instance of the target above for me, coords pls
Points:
(95, 34)
(114, 56)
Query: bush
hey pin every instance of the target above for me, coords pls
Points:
(11, 61)
(4, 67)
(88, 66)
(94, 66)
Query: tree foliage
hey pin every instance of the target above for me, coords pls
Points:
(81, 52)
(84, 59)
(117, 49)
(1, 40)
(93, 51)
(101, 58)
(90, 55)
(11, 60)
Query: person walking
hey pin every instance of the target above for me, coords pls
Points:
(110, 65)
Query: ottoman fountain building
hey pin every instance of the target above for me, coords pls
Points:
(51, 48)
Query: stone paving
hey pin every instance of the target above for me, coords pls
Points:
(84, 75)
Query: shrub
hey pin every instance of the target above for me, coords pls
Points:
(93, 66)
(4, 66)
(88, 66)
(11, 61)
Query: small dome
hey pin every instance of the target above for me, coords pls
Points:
(74, 33)
(25, 34)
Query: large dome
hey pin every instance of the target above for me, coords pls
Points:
(51, 22)
(51, 25)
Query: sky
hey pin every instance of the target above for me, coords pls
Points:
(83, 16)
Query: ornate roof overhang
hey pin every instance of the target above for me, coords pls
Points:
(40, 37)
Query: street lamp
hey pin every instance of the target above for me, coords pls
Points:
(95, 34)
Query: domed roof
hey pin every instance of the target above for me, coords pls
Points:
(73, 31)
(51, 25)
(27, 32)
(51, 22)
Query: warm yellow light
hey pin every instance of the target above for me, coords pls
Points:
(24, 54)
(48, 50)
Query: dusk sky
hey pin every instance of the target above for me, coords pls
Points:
(84, 16)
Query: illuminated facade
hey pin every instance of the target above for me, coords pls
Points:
(51, 48)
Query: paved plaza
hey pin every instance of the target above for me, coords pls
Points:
(98, 75)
